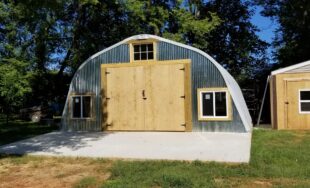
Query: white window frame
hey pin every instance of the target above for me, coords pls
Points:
(302, 101)
(81, 106)
(202, 117)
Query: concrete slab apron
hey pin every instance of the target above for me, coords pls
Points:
(222, 147)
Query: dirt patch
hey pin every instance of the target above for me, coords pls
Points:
(50, 172)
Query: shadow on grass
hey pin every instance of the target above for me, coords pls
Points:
(19, 130)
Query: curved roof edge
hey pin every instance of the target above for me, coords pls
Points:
(231, 83)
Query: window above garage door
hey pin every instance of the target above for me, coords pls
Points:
(142, 51)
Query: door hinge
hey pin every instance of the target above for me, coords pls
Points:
(184, 125)
(109, 125)
(183, 96)
(182, 69)
(107, 98)
(106, 72)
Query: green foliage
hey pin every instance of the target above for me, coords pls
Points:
(234, 43)
(14, 83)
(54, 37)
(292, 41)
(146, 16)
(192, 29)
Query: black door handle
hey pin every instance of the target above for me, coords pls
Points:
(143, 95)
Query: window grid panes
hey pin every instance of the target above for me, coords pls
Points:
(81, 106)
(214, 104)
(143, 52)
(304, 101)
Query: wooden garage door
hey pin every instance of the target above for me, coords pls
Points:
(146, 98)
(164, 107)
(125, 108)
(296, 119)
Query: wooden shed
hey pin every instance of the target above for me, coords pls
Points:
(290, 97)
(148, 83)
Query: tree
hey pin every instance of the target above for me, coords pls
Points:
(234, 43)
(292, 41)
(54, 37)
(14, 84)
(176, 20)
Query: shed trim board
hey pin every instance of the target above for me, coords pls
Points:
(238, 103)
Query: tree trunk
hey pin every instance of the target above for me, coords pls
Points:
(7, 117)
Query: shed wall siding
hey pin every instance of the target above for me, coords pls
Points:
(87, 80)
(204, 74)
(280, 90)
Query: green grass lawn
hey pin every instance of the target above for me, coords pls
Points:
(18, 130)
(278, 159)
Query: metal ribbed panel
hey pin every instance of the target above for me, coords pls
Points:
(87, 80)
(204, 74)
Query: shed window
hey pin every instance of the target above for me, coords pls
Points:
(81, 106)
(214, 104)
(304, 101)
(143, 51)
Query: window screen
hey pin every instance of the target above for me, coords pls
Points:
(207, 104)
(76, 107)
(143, 52)
(81, 106)
(86, 106)
(220, 104)
(304, 101)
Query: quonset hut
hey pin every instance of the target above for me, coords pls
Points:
(148, 83)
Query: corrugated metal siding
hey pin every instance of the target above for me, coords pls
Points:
(204, 74)
(87, 80)
(300, 69)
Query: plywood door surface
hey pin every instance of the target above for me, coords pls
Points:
(125, 109)
(149, 98)
(164, 106)
(295, 120)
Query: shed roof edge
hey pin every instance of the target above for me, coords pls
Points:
(292, 67)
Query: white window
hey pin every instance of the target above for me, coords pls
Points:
(143, 52)
(81, 106)
(304, 101)
(214, 104)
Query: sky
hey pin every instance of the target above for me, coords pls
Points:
(266, 27)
